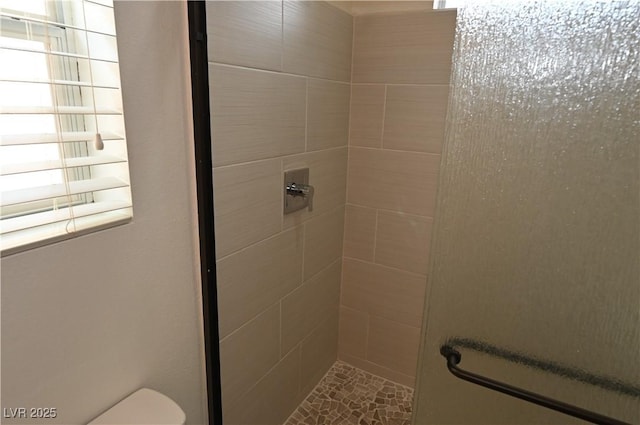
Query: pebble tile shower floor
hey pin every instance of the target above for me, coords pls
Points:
(347, 395)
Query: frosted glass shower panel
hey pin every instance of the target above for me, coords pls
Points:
(537, 241)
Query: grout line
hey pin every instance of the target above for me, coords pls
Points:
(298, 345)
(344, 240)
(386, 267)
(396, 150)
(375, 237)
(402, 84)
(317, 326)
(255, 384)
(280, 356)
(405, 215)
(306, 115)
(369, 315)
(353, 42)
(252, 162)
(384, 115)
(349, 116)
(340, 297)
(253, 244)
(346, 192)
(347, 307)
(248, 322)
(368, 84)
(324, 269)
(328, 80)
(292, 228)
(346, 188)
(282, 195)
(319, 150)
(390, 211)
(281, 36)
(282, 157)
(271, 71)
(299, 367)
(353, 45)
(304, 243)
(366, 338)
(306, 281)
(319, 214)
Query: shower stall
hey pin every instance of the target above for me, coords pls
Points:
(522, 116)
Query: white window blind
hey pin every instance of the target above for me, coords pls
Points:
(63, 152)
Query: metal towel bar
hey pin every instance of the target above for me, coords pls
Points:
(454, 357)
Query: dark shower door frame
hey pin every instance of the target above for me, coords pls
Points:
(196, 11)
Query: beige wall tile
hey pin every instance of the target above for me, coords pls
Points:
(322, 241)
(359, 232)
(381, 371)
(319, 352)
(273, 398)
(306, 307)
(415, 117)
(255, 114)
(327, 114)
(245, 33)
(317, 40)
(327, 174)
(382, 291)
(353, 331)
(248, 354)
(367, 113)
(254, 278)
(248, 204)
(392, 180)
(402, 241)
(403, 48)
(393, 345)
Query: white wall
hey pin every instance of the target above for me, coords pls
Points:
(89, 320)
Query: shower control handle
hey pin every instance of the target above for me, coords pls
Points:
(302, 190)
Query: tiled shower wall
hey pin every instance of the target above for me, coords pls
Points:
(280, 94)
(401, 66)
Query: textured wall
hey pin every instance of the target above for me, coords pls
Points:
(401, 65)
(87, 321)
(280, 89)
(536, 247)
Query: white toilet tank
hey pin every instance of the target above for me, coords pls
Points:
(144, 407)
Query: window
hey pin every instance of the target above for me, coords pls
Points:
(450, 4)
(63, 153)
